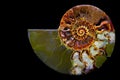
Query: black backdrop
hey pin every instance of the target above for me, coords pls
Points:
(46, 15)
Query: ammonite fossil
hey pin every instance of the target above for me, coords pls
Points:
(82, 42)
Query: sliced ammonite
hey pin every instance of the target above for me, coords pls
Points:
(82, 42)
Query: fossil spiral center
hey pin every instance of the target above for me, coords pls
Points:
(82, 30)
(80, 33)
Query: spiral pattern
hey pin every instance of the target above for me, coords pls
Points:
(76, 33)
(87, 31)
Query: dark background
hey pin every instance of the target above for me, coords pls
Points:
(47, 15)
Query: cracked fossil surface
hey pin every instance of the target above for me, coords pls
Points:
(84, 40)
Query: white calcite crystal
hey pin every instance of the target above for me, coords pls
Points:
(87, 60)
(78, 66)
(100, 44)
(76, 60)
(109, 36)
(83, 66)
(77, 70)
(103, 36)
(112, 37)
(93, 51)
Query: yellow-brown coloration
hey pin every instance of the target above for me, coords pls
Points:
(82, 30)
(79, 25)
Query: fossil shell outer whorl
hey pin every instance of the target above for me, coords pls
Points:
(78, 26)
